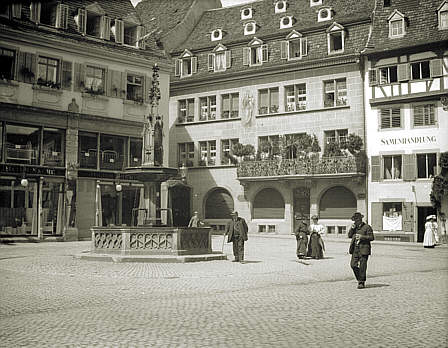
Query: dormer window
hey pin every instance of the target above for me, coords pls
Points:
(250, 28)
(396, 24)
(324, 14)
(186, 65)
(286, 22)
(54, 14)
(216, 35)
(294, 47)
(335, 38)
(220, 59)
(11, 10)
(315, 2)
(442, 13)
(280, 6)
(256, 53)
(246, 13)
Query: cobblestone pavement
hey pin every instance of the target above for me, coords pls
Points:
(48, 298)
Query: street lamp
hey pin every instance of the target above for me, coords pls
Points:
(183, 172)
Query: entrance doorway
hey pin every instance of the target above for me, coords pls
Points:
(423, 212)
(301, 204)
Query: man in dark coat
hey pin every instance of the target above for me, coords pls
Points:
(301, 233)
(360, 249)
(237, 231)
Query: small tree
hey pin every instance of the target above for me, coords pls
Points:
(353, 144)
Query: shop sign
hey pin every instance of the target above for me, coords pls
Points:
(426, 139)
(31, 170)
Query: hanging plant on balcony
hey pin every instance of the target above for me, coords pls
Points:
(333, 149)
(248, 152)
(353, 144)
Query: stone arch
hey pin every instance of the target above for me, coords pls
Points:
(268, 203)
(218, 204)
(337, 202)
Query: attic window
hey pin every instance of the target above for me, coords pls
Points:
(286, 22)
(396, 24)
(280, 6)
(315, 2)
(216, 35)
(336, 38)
(250, 28)
(442, 13)
(246, 13)
(324, 14)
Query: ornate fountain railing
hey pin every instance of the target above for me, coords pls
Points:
(306, 166)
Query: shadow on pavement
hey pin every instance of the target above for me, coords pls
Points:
(251, 261)
(368, 286)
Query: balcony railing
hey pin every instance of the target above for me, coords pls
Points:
(304, 166)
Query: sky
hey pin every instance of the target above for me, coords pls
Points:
(223, 2)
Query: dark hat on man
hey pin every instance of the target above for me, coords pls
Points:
(314, 217)
(234, 212)
(357, 214)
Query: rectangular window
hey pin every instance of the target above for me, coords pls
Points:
(443, 20)
(388, 75)
(392, 167)
(424, 115)
(207, 153)
(420, 70)
(95, 78)
(390, 118)
(112, 152)
(208, 108)
(186, 67)
(336, 42)
(396, 28)
(342, 230)
(22, 144)
(186, 110)
(7, 63)
(337, 136)
(186, 154)
(93, 25)
(227, 150)
(295, 97)
(426, 165)
(256, 55)
(134, 88)
(47, 71)
(269, 146)
(220, 61)
(268, 101)
(53, 147)
(331, 229)
(392, 209)
(135, 152)
(335, 93)
(130, 35)
(292, 142)
(88, 150)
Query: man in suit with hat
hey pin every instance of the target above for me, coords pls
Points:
(237, 231)
(360, 249)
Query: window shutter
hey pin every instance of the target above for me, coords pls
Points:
(228, 58)
(26, 67)
(211, 62)
(16, 10)
(177, 65)
(119, 31)
(409, 167)
(246, 55)
(79, 77)
(396, 118)
(141, 32)
(66, 82)
(377, 216)
(435, 66)
(284, 49)
(105, 28)
(264, 53)
(35, 12)
(304, 46)
(403, 72)
(373, 77)
(418, 116)
(82, 20)
(61, 16)
(408, 216)
(194, 65)
(375, 165)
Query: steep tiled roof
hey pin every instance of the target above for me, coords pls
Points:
(422, 25)
(229, 20)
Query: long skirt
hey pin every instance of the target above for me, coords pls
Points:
(315, 247)
(428, 239)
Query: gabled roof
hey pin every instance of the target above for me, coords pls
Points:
(422, 25)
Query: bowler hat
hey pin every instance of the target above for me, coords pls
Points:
(357, 214)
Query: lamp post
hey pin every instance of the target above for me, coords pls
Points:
(183, 173)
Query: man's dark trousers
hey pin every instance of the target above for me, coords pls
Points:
(238, 247)
(359, 264)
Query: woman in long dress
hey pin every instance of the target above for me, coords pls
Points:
(430, 227)
(316, 245)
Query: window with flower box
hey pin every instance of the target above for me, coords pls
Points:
(48, 72)
(207, 108)
(295, 97)
(207, 153)
(230, 105)
(186, 111)
(186, 154)
(268, 101)
(227, 150)
(335, 93)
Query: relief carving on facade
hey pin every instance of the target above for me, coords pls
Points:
(106, 240)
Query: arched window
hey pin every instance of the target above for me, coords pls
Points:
(219, 204)
(269, 204)
(337, 203)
